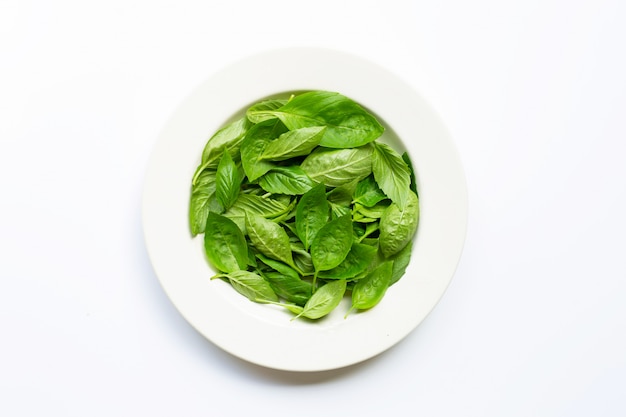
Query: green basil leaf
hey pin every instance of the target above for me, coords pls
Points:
(337, 211)
(278, 266)
(286, 282)
(253, 145)
(265, 206)
(371, 241)
(409, 163)
(199, 205)
(228, 139)
(302, 260)
(249, 203)
(369, 229)
(401, 262)
(295, 309)
(289, 214)
(379, 258)
(368, 193)
(227, 181)
(215, 205)
(224, 244)
(358, 231)
(252, 253)
(290, 228)
(294, 143)
(356, 262)
(340, 199)
(269, 238)
(324, 300)
(343, 195)
(348, 124)
(398, 225)
(391, 173)
(286, 200)
(311, 214)
(291, 180)
(305, 191)
(262, 111)
(252, 285)
(335, 167)
(368, 292)
(296, 244)
(370, 214)
(332, 243)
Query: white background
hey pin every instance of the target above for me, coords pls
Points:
(534, 93)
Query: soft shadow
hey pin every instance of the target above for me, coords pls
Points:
(279, 377)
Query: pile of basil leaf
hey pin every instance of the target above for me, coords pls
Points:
(300, 205)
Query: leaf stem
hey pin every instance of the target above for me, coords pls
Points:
(216, 276)
(199, 171)
(368, 232)
(298, 270)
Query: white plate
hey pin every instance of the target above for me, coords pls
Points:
(264, 334)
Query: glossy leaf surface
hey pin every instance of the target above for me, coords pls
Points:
(227, 181)
(391, 173)
(325, 299)
(355, 263)
(299, 202)
(335, 167)
(368, 193)
(286, 282)
(227, 139)
(291, 180)
(332, 243)
(263, 110)
(370, 290)
(199, 203)
(252, 285)
(311, 214)
(398, 225)
(348, 124)
(299, 142)
(269, 238)
(225, 244)
(253, 145)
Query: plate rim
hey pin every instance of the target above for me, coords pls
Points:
(190, 109)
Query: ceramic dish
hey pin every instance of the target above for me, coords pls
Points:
(264, 334)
